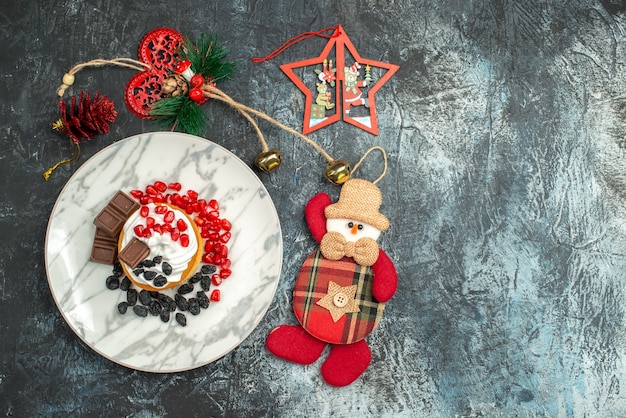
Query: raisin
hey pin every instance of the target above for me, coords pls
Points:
(181, 302)
(148, 263)
(158, 259)
(155, 308)
(149, 275)
(112, 283)
(160, 281)
(144, 297)
(125, 284)
(195, 278)
(140, 310)
(208, 269)
(203, 299)
(141, 264)
(167, 302)
(181, 319)
(122, 307)
(137, 272)
(194, 307)
(117, 270)
(165, 315)
(131, 297)
(186, 288)
(166, 268)
(205, 283)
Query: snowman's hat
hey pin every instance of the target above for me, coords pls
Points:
(359, 200)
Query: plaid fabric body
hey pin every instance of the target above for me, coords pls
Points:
(312, 285)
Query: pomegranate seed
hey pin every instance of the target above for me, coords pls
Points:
(161, 209)
(214, 236)
(138, 230)
(193, 195)
(184, 240)
(216, 279)
(225, 264)
(150, 222)
(214, 205)
(175, 234)
(160, 186)
(224, 273)
(181, 225)
(217, 258)
(199, 221)
(224, 251)
(204, 233)
(147, 233)
(216, 225)
(136, 194)
(213, 215)
(215, 295)
(159, 198)
(226, 225)
(175, 186)
(144, 211)
(151, 190)
(158, 228)
(208, 246)
(207, 258)
(196, 207)
(168, 199)
(168, 217)
(144, 200)
(202, 204)
(166, 227)
(189, 209)
(225, 237)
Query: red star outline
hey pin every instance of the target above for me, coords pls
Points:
(340, 41)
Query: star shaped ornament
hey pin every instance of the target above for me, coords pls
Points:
(339, 84)
(339, 300)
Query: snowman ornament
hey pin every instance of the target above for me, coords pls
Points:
(340, 292)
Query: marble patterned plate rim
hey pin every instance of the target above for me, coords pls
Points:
(269, 296)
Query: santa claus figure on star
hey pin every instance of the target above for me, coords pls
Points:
(341, 290)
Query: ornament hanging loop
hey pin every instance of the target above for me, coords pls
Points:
(384, 154)
(292, 41)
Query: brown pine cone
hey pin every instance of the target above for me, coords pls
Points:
(174, 85)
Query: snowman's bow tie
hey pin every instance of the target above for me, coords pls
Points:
(334, 247)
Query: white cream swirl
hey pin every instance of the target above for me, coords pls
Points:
(162, 244)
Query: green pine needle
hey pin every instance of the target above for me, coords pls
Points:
(208, 58)
(181, 113)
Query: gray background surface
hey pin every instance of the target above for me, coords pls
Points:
(506, 186)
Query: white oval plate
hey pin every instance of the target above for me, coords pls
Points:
(78, 285)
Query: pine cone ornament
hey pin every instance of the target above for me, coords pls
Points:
(85, 117)
(174, 85)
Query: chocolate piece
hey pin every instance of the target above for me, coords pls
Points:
(104, 249)
(112, 217)
(123, 203)
(134, 252)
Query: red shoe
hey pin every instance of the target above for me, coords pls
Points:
(293, 343)
(346, 363)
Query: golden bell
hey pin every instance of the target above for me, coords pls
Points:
(268, 161)
(338, 172)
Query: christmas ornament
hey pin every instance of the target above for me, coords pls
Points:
(86, 117)
(171, 91)
(340, 292)
(176, 77)
(346, 91)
